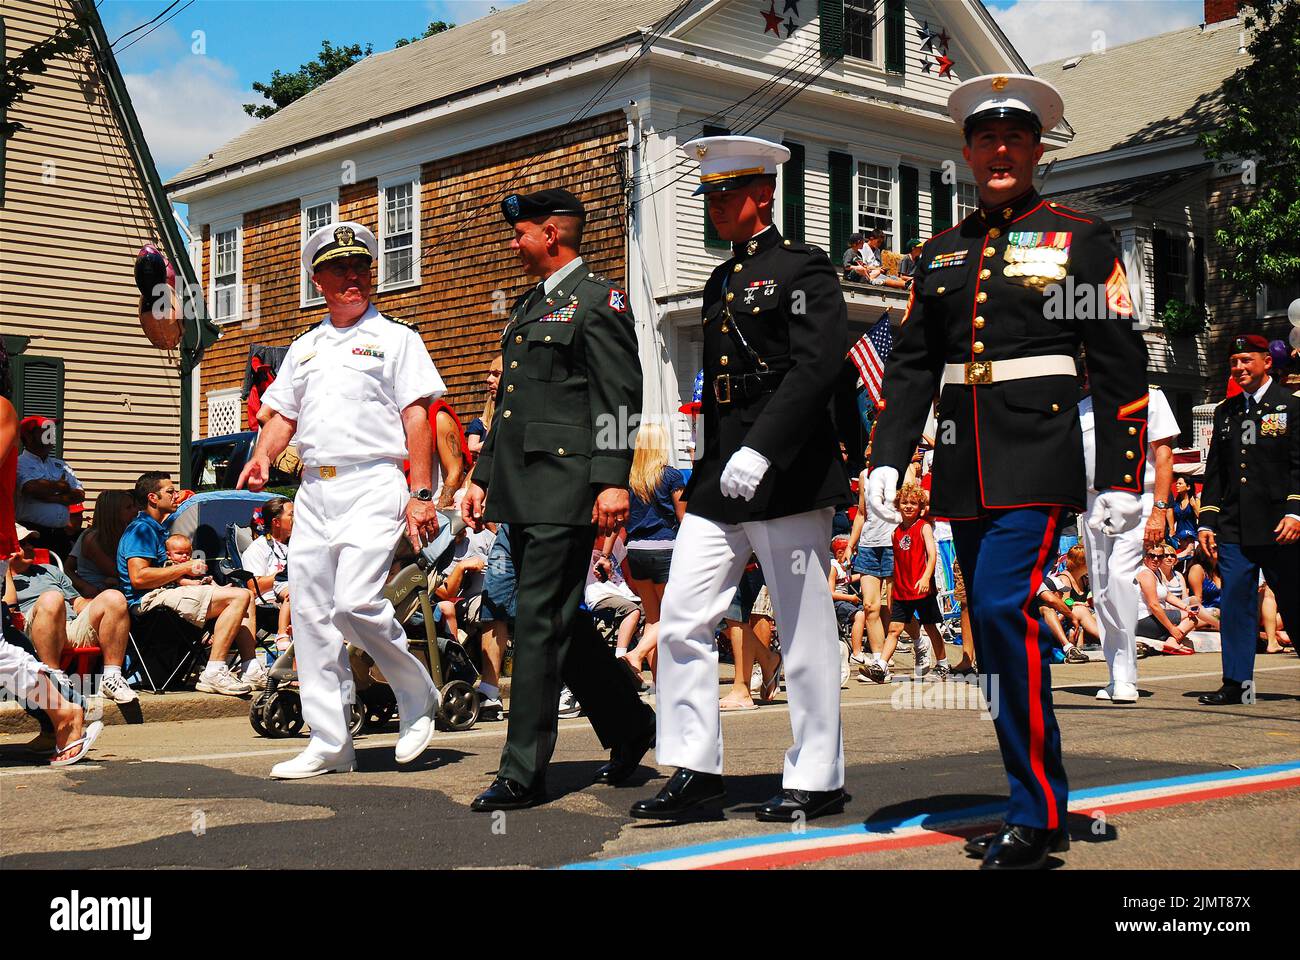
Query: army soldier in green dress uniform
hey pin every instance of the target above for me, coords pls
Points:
(1250, 510)
(571, 376)
(999, 308)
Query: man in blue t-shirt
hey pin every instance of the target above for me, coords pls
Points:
(147, 583)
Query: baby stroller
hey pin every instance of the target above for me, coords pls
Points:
(277, 712)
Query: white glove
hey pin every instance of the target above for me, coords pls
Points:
(743, 473)
(882, 488)
(1115, 512)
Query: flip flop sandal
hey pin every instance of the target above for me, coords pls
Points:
(82, 746)
(731, 706)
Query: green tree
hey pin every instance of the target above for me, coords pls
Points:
(285, 88)
(434, 28)
(1259, 129)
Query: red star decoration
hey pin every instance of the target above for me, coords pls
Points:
(945, 65)
(773, 21)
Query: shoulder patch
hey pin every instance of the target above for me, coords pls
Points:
(617, 300)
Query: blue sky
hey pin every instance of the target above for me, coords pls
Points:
(188, 88)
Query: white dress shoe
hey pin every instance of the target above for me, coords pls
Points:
(1118, 693)
(306, 765)
(413, 737)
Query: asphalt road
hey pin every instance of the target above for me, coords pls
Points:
(1162, 784)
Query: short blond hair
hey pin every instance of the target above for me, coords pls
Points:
(913, 491)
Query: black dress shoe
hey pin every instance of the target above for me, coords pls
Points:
(1227, 694)
(685, 791)
(1024, 848)
(977, 846)
(506, 794)
(625, 758)
(791, 805)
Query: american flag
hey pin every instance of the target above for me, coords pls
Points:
(870, 353)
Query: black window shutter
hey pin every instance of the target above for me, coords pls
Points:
(711, 238)
(1198, 269)
(940, 203)
(792, 193)
(895, 37)
(841, 171)
(830, 13)
(38, 391)
(909, 203)
(1160, 268)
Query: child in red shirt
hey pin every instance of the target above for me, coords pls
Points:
(915, 556)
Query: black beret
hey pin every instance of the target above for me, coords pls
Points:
(537, 206)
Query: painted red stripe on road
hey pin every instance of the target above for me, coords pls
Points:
(938, 838)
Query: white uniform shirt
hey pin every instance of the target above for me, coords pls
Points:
(347, 389)
(29, 509)
(1161, 425)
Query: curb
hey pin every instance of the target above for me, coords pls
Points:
(156, 708)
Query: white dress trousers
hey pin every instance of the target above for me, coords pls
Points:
(708, 561)
(345, 532)
(1113, 564)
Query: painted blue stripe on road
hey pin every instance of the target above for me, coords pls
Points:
(919, 820)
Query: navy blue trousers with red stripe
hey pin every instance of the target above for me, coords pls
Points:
(1003, 555)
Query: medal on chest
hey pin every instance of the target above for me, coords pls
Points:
(759, 291)
(1273, 425)
(953, 259)
(1036, 259)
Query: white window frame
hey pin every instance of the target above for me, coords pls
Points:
(957, 215)
(400, 178)
(225, 396)
(890, 164)
(215, 230)
(308, 296)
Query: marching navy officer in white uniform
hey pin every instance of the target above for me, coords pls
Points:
(768, 480)
(355, 389)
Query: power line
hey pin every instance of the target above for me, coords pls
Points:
(143, 25)
(189, 4)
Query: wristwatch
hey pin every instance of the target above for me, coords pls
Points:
(424, 493)
(1162, 504)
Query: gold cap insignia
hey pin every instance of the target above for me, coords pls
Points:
(701, 150)
(344, 236)
(1000, 83)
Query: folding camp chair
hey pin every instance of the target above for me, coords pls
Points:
(174, 647)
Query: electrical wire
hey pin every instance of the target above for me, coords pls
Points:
(152, 29)
(143, 25)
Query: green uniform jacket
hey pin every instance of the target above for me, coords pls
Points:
(570, 385)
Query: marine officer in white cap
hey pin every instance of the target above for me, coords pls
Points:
(981, 326)
(355, 389)
(767, 481)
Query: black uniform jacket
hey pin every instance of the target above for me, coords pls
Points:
(1252, 474)
(1017, 443)
(785, 300)
(570, 384)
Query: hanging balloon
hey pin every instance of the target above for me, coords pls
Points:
(1281, 354)
(1295, 337)
(1293, 313)
(159, 311)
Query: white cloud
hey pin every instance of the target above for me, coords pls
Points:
(188, 109)
(1045, 30)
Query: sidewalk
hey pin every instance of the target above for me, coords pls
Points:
(157, 708)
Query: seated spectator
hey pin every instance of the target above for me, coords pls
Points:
(608, 596)
(92, 564)
(1064, 605)
(459, 586)
(60, 619)
(1206, 586)
(1157, 631)
(267, 559)
(848, 605)
(144, 579)
(1275, 637)
(46, 485)
(911, 260)
(476, 432)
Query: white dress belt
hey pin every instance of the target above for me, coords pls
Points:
(1000, 371)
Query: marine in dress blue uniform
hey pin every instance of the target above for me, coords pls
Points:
(999, 308)
(1250, 510)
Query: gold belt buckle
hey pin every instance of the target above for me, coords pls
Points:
(721, 381)
(979, 371)
(327, 473)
